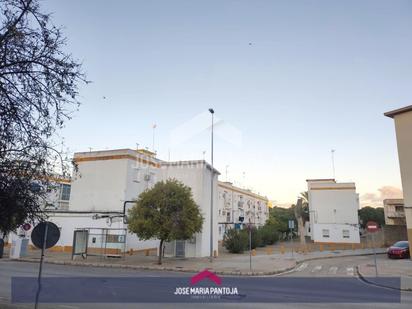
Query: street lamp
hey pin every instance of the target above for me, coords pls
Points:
(211, 190)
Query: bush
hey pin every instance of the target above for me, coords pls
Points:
(235, 241)
(256, 238)
(269, 235)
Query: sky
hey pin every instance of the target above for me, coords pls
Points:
(289, 81)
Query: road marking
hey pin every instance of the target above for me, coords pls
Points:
(333, 270)
(317, 268)
(302, 267)
(350, 271)
(68, 307)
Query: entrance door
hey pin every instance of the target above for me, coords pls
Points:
(180, 248)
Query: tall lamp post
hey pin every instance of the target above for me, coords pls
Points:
(211, 190)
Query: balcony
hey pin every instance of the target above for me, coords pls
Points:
(396, 214)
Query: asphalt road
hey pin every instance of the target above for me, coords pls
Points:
(329, 268)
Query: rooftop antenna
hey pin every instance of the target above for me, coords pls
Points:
(90, 149)
(226, 171)
(154, 129)
(332, 152)
(244, 176)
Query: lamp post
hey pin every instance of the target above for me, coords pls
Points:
(211, 190)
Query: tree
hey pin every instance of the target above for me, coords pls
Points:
(38, 93)
(166, 212)
(235, 241)
(371, 214)
(301, 211)
(279, 217)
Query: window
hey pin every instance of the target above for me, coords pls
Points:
(325, 233)
(228, 217)
(65, 192)
(345, 233)
(398, 208)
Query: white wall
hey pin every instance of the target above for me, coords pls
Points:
(333, 207)
(335, 233)
(99, 186)
(198, 177)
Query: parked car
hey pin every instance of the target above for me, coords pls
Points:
(399, 250)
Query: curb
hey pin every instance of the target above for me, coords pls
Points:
(182, 270)
(192, 270)
(336, 256)
(363, 278)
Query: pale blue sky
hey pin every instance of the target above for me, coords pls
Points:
(297, 78)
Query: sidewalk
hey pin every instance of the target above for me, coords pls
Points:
(389, 268)
(227, 264)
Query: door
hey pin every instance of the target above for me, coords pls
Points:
(180, 248)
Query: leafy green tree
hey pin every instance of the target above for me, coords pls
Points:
(235, 241)
(256, 240)
(279, 217)
(268, 234)
(166, 212)
(371, 214)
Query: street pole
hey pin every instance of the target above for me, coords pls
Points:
(250, 245)
(374, 254)
(41, 266)
(211, 190)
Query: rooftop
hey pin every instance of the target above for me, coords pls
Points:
(398, 111)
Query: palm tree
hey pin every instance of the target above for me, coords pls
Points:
(302, 214)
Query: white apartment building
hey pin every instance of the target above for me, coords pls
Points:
(333, 211)
(403, 127)
(104, 180)
(235, 204)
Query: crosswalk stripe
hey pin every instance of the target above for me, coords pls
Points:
(333, 270)
(317, 268)
(302, 267)
(350, 271)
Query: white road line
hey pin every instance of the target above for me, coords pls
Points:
(68, 307)
(317, 268)
(350, 271)
(333, 270)
(302, 266)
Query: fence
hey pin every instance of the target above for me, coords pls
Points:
(100, 242)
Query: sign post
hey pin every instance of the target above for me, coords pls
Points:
(291, 225)
(372, 228)
(45, 235)
(250, 245)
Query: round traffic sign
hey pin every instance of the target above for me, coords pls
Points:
(26, 226)
(372, 226)
(52, 236)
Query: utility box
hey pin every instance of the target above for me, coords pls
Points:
(19, 247)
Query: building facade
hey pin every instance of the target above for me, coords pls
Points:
(237, 207)
(403, 128)
(105, 180)
(394, 212)
(333, 211)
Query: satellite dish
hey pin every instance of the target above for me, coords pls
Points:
(52, 237)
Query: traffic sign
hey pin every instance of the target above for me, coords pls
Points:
(52, 235)
(291, 224)
(26, 226)
(372, 226)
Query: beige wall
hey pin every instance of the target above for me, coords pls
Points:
(403, 125)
